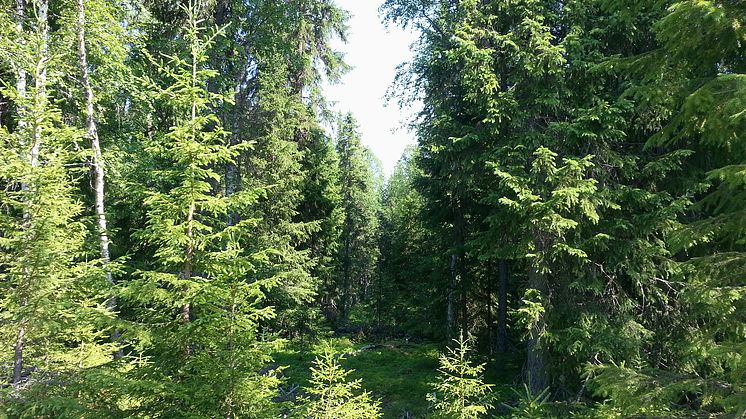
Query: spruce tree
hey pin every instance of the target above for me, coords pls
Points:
(358, 253)
(200, 304)
(410, 248)
(460, 391)
(53, 301)
(333, 396)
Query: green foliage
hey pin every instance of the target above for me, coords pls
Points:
(555, 200)
(410, 289)
(55, 323)
(529, 405)
(573, 139)
(332, 395)
(396, 371)
(201, 305)
(358, 253)
(460, 391)
(575, 202)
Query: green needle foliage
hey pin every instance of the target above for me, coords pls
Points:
(332, 395)
(460, 391)
(530, 405)
(200, 302)
(358, 252)
(574, 202)
(53, 300)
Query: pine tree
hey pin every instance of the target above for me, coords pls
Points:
(322, 201)
(701, 337)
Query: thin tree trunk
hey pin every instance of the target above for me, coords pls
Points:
(464, 306)
(490, 291)
(21, 92)
(40, 80)
(232, 182)
(458, 264)
(186, 274)
(20, 17)
(97, 167)
(18, 360)
(347, 268)
(536, 370)
(187, 268)
(502, 306)
(450, 303)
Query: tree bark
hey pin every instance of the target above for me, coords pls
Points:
(186, 272)
(18, 359)
(458, 265)
(187, 267)
(536, 366)
(347, 268)
(450, 303)
(458, 281)
(98, 169)
(502, 306)
(20, 16)
(40, 77)
(490, 291)
(40, 99)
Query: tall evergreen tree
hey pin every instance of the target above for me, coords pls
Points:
(200, 301)
(409, 295)
(53, 301)
(358, 251)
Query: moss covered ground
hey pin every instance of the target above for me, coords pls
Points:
(397, 372)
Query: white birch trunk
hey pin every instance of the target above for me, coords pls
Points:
(98, 167)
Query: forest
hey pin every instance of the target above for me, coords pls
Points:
(189, 230)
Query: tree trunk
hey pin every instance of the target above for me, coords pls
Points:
(490, 291)
(18, 360)
(186, 272)
(20, 17)
(232, 183)
(458, 271)
(40, 81)
(97, 166)
(21, 92)
(536, 371)
(346, 273)
(502, 306)
(40, 77)
(456, 289)
(450, 303)
(458, 265)
(187, 267)
(464, 301)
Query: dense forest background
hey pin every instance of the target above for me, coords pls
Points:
(187, 229)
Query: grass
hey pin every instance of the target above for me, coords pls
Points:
(398, 373)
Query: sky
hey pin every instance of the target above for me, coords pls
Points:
(374, 52)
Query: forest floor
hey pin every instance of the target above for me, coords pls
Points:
(396, 372)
